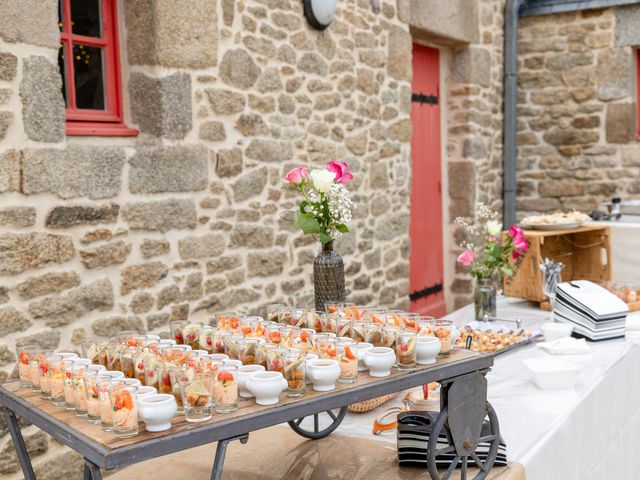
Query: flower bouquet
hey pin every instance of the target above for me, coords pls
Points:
(325, 212)
(490, 255)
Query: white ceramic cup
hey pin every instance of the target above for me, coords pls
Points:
(379, 360)
(427, 349)
(145, 391)
(266, 387)
(157, 410)
(363, 347)
(324, 374)
(244, 372)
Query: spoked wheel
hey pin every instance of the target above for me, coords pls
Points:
(491, 437)
(318, 425)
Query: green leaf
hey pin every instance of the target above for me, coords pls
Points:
(342, 228)
(307, 223)
(324, 238)
(303, 204)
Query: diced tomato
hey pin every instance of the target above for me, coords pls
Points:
(209, 341)
(349, 353)
(376, 319)
(191, 337)
(225, 376)
(331, 351)
(304, 336)
(404, 347)
(275, 337)
(140, 366)
(127, 401)
(246, 330)
(179, 338)
(94, 389)
(24, 358)
(218, 345)
(233, 322)
(43, 368)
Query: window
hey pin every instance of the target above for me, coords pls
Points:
(90, 68)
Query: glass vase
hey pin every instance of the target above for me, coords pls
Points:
(485, 299)
(328, 277)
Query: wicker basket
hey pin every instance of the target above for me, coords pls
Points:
(368, 405)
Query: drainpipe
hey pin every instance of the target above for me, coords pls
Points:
(510, 146)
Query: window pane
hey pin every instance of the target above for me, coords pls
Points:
(89, 77)
(86, 18)
(63, 72)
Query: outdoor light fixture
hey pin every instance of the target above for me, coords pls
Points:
(319, 13)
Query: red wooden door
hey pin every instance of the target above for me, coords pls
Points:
(426, 279)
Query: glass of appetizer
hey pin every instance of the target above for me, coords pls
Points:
(326, 346)
(79, 391)
(35, 361)
(262, 354)
(229, 321)
(337, 307)
(272, 311)
(395, 318)
(275, 362)
(248, 350)
(196, 396)
(299, 318)
(25, 353)
(45, 378)
(424, 325)
(91, 348)
(442, 329)
(389, 336)
(285, 315)
(225, 389)
(411, 321)
(218, 340)
(328, 322)
(93, 395)
(206, 338)
(358, 331)
(69, 394)
(375, 315)
(406, 349)
(151, 364)
(343, 327)
(304, 339)
(55, 367)
(103, 382)
(127, 365)
(125, 410)
(231, 346)
(295, 372)
(273, 334)
(373, 334)
(347, 351)
(176, 330)
(190, 333)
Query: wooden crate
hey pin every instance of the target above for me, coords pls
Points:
(586, 253)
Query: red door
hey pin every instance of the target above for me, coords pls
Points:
(426, 279)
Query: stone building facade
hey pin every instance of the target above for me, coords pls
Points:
(577, 130)
(100, 234)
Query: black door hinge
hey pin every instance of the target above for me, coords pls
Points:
(422, 98)
(425, 292)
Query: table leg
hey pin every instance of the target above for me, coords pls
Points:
(91, 471)
(221, 451)
(18, 443)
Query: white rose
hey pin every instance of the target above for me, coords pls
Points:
(494, 228)
(322, 179)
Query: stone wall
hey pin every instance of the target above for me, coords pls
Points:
(101, 234)
(577, 110)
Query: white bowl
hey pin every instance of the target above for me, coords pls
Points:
(145, 391)
(552, 373)
(266, 387)
(131, 382)
(219, 357)
(244, 372)
(379, 360)
(324, 374)
(363, 347)
(555, 330)
(237, 363)
(157, 410)
(427, 349)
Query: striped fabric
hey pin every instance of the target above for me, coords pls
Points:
(413, 437)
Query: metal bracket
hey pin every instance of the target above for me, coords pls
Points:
(18, 442)
(422, 98)
(221, 451)
(425, 292)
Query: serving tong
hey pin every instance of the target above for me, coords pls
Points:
(517, 321)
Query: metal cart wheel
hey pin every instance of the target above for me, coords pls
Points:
(320, 427)
(466, 459)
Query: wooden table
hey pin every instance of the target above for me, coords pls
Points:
(102, 450)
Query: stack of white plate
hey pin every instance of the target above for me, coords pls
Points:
(594, 312)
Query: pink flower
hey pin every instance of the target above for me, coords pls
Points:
(466, 257)
(515, 231)
(520, 243)
(516, 255)
(341, 171)
(297, 175)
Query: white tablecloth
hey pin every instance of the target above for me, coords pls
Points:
(624, 249)
(587, 433)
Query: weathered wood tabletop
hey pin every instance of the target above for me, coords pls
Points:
(106, 451)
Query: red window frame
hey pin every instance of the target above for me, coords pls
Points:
(95, 122)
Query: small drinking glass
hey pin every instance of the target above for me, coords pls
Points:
(206, 338)
(299, 318)
(326, 346)
(389, 336)
(347, 351)
(225, 389)
(113, 356)
(275, 362)
(272, 311)
(411, 321)
(295, 372)
(91, 348)
(375, 315)
(328, 322)
(358, 331)
(442, 329)
(55, 366)
(248, 350)
(231, 346)
(190, 333)
(285, 316)
(343, 327)
(196, 396)
(35, 371)
(176, 330)
(337, 307)
(273, 334)
(126, 361)
(93, 395)
(424, 324)
(304, 339)
(262, 354)
(69, 394)
(103, 383)
(313, 320)
(79, 390)
(229, 321)
(45, 378)
(406, 349)
(373, 334)
(25, 353)
(395, 318)
(125, 410)
(164, 377)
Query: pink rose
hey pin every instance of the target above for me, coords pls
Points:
(297, 175)
(516, 255)
(466, 258)
(341, 171)
(520, 243)
(515, 231)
